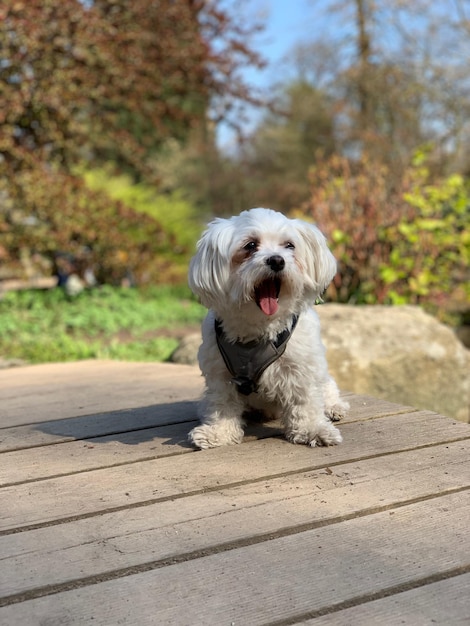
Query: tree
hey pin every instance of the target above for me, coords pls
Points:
(271, 165)
(399, 78)
(369, 84)
(97, 81)
(112, 79)
(277, 156)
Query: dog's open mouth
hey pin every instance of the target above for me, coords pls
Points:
(267, 295)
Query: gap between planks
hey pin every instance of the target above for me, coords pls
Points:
(126, 421)
(237, 517)
(405, 550)
(174, 477)
(384, 594)
(228, 547)
(21, 465)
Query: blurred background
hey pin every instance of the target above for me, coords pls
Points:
(126, 125)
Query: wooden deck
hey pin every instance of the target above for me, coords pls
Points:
(108, 517)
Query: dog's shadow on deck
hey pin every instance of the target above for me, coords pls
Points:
(166, 424)
(169, 421)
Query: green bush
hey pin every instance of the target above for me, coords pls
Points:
(430, 259)
(176, 215)
(47, 212)
(401, 242)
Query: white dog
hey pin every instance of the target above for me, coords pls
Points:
(259, 274)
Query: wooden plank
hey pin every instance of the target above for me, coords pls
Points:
(102, 424)
(120, 448)
(126, 445)
(367, 407)
(78, 456)
(275, 580)
(443, 602)
(39, 393)
(72, 495)
(185, 409)
(166, 530)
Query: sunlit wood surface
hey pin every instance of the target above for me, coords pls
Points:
(107, 516)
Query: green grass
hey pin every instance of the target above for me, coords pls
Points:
(108, 322)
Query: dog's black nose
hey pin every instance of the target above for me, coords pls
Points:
(276, 262)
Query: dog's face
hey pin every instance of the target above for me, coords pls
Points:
(260, 259)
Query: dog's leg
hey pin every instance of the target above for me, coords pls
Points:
(221, 422)
(308, 424)
(335, 408)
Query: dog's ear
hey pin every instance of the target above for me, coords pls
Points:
(319, 263)
(209, 269)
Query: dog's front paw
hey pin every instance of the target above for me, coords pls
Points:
(328, 435)
(214, 435)
(337, 411)
(324, 435)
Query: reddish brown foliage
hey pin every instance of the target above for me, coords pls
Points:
(98, 81)
(354, 205)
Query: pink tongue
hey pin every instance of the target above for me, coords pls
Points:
(267, 298)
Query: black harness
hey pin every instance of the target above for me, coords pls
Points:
(247, 361)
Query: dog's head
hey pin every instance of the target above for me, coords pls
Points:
(260, 258)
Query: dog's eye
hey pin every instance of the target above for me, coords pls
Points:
(290, 245)
(250, 246)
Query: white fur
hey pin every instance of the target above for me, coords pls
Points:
(297, 387)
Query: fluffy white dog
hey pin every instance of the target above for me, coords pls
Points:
(259, 274)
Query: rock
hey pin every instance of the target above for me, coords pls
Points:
(186, 352)
(400, 354)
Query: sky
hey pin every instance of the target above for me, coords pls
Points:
(287, 22)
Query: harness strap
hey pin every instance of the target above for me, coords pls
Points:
(247, 361)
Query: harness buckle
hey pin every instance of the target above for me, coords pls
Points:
(245, 386)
